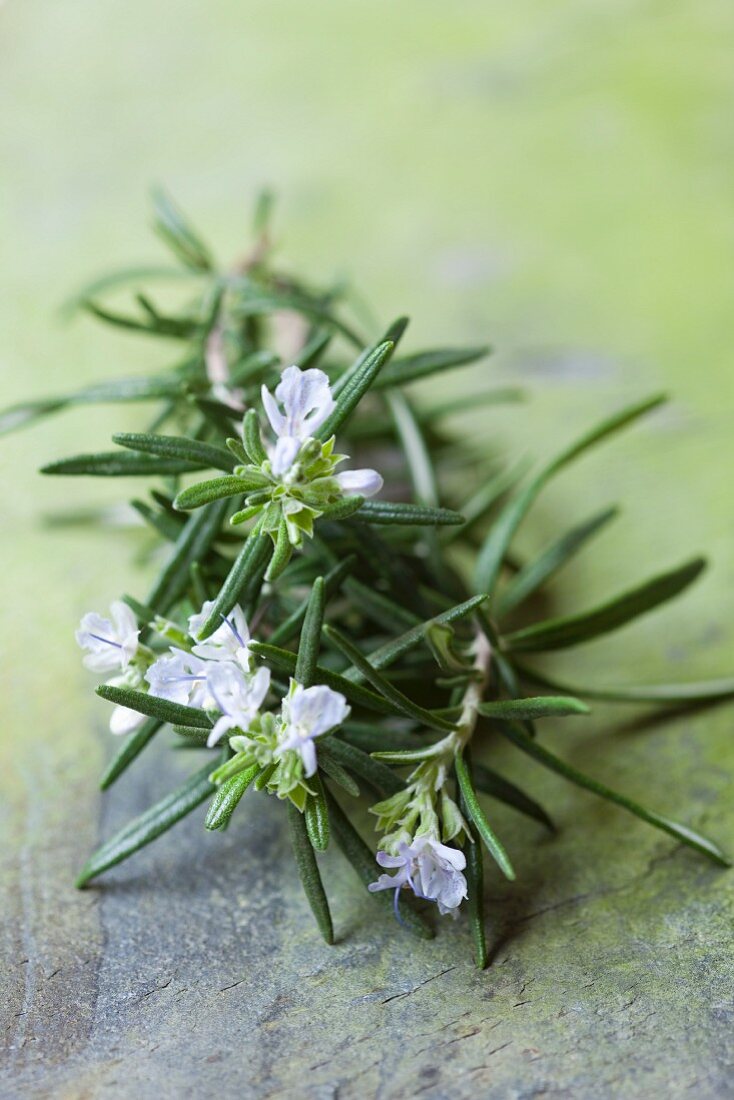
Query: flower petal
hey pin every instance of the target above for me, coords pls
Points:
(124, 720)
(273, 413)
(364, 483)
(317, 709)
(307, 751)
(306, 398)
(283, 454)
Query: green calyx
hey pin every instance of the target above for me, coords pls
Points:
(298, 497)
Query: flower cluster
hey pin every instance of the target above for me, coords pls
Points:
(297, 480)
(418, 821)
(218, 675)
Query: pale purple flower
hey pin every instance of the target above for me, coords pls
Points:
(308, 713)
(180, 677)
(306, 400)
(123, 720)
(432, 871)
(237, 696)
(229, 642)
(363, 483)
(110, 643)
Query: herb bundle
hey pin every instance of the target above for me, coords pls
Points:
(321, 636)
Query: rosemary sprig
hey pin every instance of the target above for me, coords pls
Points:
(311, 634)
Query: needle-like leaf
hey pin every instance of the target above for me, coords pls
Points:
(195, 540)
(574, 629)
(539, 571)
(401, 702)
(310, 643)
(309, 872)
(227, 797)
(131, 748)
(158, 819)
(491, 556)
(203, 455)
(492, 842)
(119, 464)
(680, 832)
(162, 709)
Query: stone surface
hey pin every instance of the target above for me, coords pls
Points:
(556, 181)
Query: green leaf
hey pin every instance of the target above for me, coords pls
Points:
(378, 775)
(342, 509)
(409, 368)
(380, 609)
(217, 488)
(281, 554)
(496, 545)
(495, 785)
(701, 691)
(309, 872)
(123, 389)
(411, 515)
(175, 231)
(284, 660)
(132, 747)
(261, 302)
(251, 438)
(288, 629)
(535, 574)
(391, 651)
(501, 395)
(363, 862)
(119, 464)
(481, 503)
(316, 816)
(475, 888)
(194, 542)
(401, 702)
(195, 737)
(331, 767)
(548, 760)
(142, 274)
(162, 522)
(153, 707)
(153, 324)
(193, 451)
(527, 710)
(370, 737)
(310, 643)
(146, 828)
(476, 813)
(415, 450)
(574, 629)
(355, 388)
(398, 757)
(227, 797)
(251, 558)
(313, 349)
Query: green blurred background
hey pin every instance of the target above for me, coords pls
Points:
(553, 178)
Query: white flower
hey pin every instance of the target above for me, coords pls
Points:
(307, 402)
(180, 677)
(307, 713)
(110, 644)
(432, 870)
(237, 695)
(364, 483)
(229, 642)
(124, 720)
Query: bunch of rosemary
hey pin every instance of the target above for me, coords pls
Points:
(318, 636)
